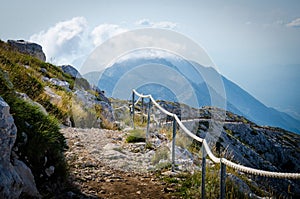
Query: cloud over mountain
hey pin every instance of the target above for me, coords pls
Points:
(160, 24)
(71, 41)
(295, 23)
(104, 32)
(63, 42)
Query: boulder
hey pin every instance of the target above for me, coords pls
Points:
(16, 177)
(101, 95)
(11, 183)
(54, 98)
(83, 108)
(26, 47)
(25, 97)
(243, 187)
(60, 83)
(107, 111)
(29, 187)
(71, 71)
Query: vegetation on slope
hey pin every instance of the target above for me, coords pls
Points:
(39, 143)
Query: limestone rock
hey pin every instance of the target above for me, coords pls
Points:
(107, 111)
(58, 82)
(54, 98)
(25, 97)
(15, 178)
(8, 131)
(88, 101)
(243, 187)
(50, 171)
(32, 49)
(29, 187)
(11, 183)
(71, 71)
(101, 95)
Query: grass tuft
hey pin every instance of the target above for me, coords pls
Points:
(136, 135)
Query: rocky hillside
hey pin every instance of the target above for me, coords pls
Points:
(244, 142)
(104, 163)
(42, 97)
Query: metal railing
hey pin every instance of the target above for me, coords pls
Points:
(206, 150)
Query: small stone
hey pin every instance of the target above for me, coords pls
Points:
(70, 194)
(43, 70)
(50, 171)
(109, 180)
(168, 190)
(102, 191)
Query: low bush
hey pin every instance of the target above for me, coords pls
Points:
(136, 135)
(44, 141)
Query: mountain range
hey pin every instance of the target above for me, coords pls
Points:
(238, 100)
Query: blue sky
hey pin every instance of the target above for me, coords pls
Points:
(256, 43)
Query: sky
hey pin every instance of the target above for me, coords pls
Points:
(255, 44)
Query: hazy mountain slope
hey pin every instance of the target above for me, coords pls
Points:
(256, 111)
(238, 100)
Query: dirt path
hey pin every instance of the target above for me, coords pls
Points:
(96, 167)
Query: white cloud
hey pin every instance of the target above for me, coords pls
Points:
(295, 23)
(165, 24)
(147, 53)
(143, 22)
(71, 41)
(63, 42)
(160, 24)
(104, 32)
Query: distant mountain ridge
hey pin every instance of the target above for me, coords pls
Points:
(238, 100)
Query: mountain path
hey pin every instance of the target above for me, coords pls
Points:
(96, 159)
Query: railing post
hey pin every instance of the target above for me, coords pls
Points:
(173, 144)
(148, 121)
(223, 180)
(133, 109)
(142, 110)
(203, 172)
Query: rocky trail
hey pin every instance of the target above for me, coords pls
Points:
(102, 165)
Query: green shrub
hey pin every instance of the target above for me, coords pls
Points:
(43, 138)
(23, 81)
(136, 135)
(163, 166)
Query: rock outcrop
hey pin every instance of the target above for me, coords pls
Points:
(16, 177)
(32, 49)
(71, 71)
(88, 103)
(26, 98)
